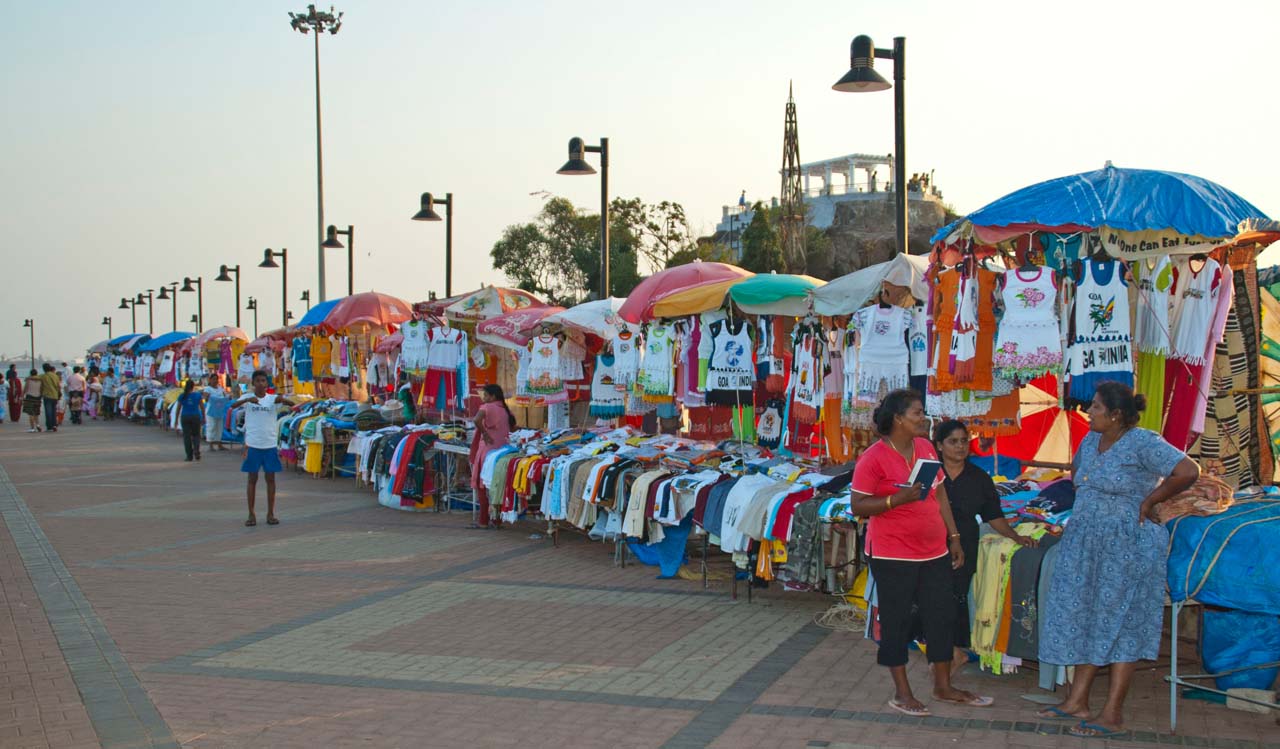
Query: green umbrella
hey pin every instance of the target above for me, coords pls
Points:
(774, 294)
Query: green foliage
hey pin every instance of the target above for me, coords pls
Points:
(761, 245)
(660, 230)
(819, 253)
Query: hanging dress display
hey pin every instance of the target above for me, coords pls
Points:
(302, 359)
(1153, 281)
(884, 356)
(626, 355)
(1195, 294)
(607, 401)
(1028, 344)
(657, 376)
(807, 372)
(544, 371)
(730, 375)
(446, 361)
(415, 347)
(1101, 340)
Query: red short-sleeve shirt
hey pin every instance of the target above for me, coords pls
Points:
(911, 532)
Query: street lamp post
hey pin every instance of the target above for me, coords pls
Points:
(268, 261)
(306, 297)
(107, 321)
(331, 242)
(147, 302)
(196, 285)
(253, 305)
(319, 22)
(862, 77)
(577, 165)
(32, 325)
(170, 291)
(133, 311)
(223, 275)
(427, 213)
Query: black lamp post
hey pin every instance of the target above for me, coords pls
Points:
(133, 311)
(306, 297)
(319, 22)
(32, 325)
(147, 302)
(169, 291)
(268, 261)
(253, 305)
(862, 77)
(196, 285)
(331, 242)
(577, 164)
(107, 321)
(427, 213)
(224, 275)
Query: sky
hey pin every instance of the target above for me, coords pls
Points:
(148, 141)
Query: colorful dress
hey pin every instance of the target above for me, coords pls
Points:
(1153, 281)
(1027, 341)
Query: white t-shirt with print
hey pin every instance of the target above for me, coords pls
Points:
(260, 423)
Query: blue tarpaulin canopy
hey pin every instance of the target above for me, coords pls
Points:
(318, 313)
(126, 337)
(1127, 200)
(165, 339)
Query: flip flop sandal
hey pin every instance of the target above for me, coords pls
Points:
(1055, 713)
(915, 712)
(1094, 731)
(251, 522)
(273, 521)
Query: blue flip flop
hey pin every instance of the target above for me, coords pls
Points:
(1098, 732)
(1056, 713)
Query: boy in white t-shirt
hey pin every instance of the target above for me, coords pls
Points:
(260, 438)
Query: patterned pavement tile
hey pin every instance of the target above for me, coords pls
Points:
(334, 546)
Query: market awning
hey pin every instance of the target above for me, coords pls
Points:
(774, 294)
(317, 314)
(846, 294)
(514, 329)
(491, 301)
(368, 309)
(165, 339)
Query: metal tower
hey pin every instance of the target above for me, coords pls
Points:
(791, 208)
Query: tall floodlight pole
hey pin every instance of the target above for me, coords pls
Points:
(318, 22)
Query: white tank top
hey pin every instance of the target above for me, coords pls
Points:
(1029, 298)
(730, 365)
(1195, 302)
(414, 348)
(1102, 339)
(626, 355)
(656, 369)
(1154, 277)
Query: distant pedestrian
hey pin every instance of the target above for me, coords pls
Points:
(15, 392)
(50, 393)
(260, 440)
(76, 385)
(93, 394)
(110, 387)
(31, 400)
(191, 417)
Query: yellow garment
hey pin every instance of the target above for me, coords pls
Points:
(237, 348)
(989, 583)
(321, 353)
(171, 396)
(315, 457)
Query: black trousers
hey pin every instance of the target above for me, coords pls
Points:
(907, 588)
(191, 435)
(108, 407)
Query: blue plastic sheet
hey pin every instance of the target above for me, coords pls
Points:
(1236, 640)
(668, 554)
(1230, 560)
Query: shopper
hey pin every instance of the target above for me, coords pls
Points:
(75, 394)
(93, 394)
(494, 423)
(31, 400)
(50, 393)
(260, 441)
(913, 546)
(15, 392)
(191, 417)
(110, 386)
(971, 493)
(1105, 605)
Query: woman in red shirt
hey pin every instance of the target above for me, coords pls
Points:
(913, 545)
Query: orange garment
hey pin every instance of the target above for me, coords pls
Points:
(1006, 615)
(975, 373)
(839, 437)
(1000, 421)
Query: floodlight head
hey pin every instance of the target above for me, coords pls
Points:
(426, 212)
(862, 75)
(164, 293)
(187, 284)
(331, 241)
(124, 304)
(577, 163)
(267, 260)
(223, 274)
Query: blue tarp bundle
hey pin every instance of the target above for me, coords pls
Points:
(1230, 560)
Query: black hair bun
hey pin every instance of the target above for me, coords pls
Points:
(1140, 402)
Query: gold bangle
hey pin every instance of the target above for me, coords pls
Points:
(954, 535)
(888, 503)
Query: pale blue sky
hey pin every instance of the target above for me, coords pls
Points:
(145, 141)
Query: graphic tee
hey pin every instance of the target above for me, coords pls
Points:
(260, 423)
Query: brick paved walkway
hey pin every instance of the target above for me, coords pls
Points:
(136, 611)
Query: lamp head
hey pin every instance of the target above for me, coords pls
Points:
(26, 323)
(139, 301)
(253, 304)
(195, 319)
(267, 260)
(427, 213)
(187, 285)
(289, 315)
(164, 293)
(577, 163)
(223, 274)
(106, 320)
(862, 75)
(124, 304)
(331, 239)
(306, 295)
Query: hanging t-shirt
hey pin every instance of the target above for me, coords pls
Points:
(1154, 280)
(415, 347)
(1101, 342)
(260, 423)
(1027, 342)
(448, 349)
(729, 369)
(918, 340)
(321, 353)
(657, 376)
(883, 353)
(607, 401)
(1195, 301)
(626, 355)
(302, 359)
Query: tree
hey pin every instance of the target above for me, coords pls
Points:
(659, 230)
(761, 246)
(819, 252)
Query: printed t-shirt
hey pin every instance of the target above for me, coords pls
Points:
(260, 423)
(910, 532)
(191, 403)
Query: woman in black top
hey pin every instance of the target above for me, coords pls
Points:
(972, 493)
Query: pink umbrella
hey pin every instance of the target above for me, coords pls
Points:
(262, 343)
(491, 301)
(513, 329)
(389, 343)
(222, 331)
(370, 309)
(682, 278)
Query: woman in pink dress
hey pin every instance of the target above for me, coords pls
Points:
(494, 423)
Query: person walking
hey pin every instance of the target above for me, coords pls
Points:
(15, 392)
(914, 549)
(31, 389)
(110, 386)
(260, 441)
(1105, 605)
(191, 416)
(494, 422)
(75, 394)
(50, 393)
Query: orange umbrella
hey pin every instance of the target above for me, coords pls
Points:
(369, 308)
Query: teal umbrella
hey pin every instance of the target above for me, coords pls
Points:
(774, 294)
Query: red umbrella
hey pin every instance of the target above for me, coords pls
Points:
(640, 303)
(512, 330)
(1049, 433)
(368, 308)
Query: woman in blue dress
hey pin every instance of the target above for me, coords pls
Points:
(1106, 597)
